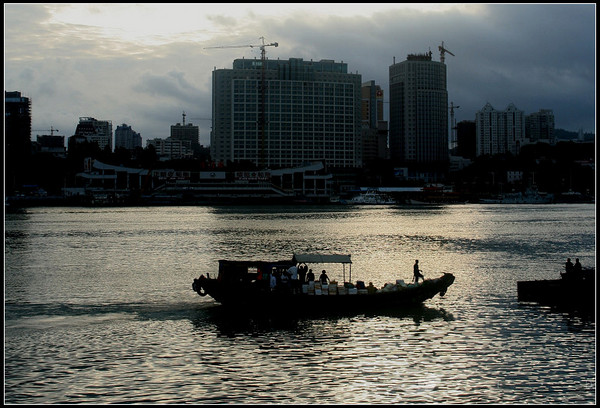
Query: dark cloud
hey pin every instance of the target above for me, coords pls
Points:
(537, 56)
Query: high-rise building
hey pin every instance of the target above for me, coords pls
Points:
(17, 123)
(306, 111)
(539, 126)
(98, 131)
(17, 139)
(127, 138)
(374, 129)
(499, 131)
(418, 111)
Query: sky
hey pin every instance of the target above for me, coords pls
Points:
(145, 64)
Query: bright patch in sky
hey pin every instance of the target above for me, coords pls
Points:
(162, 23)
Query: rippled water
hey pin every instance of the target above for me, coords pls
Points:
(99, 307)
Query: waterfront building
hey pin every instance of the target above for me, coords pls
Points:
(97, 131)
(418, 111)
(286, 113)
(374, 129)
(127, 138)
(499, 132)
(539, 127)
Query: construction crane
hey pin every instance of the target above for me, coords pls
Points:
(443, 52)
(261, 46)
(263, 58)
(51, 130)
(453, 141)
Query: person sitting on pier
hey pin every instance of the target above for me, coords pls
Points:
(417, 272)
(577, 270)
(568, 273)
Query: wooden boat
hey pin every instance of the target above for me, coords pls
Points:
(576, 292)
(247, 284)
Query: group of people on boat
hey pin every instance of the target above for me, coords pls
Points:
(572, 271)
(294, 277)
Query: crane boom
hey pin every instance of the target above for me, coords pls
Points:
(443, 51)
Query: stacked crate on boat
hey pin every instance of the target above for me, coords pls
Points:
(325, 289)
(311, 288)
(342, 290)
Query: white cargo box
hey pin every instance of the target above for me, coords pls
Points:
(352, 291)
(304, 288)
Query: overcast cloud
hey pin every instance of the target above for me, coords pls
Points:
(145, 64)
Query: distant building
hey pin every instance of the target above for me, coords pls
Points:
(17, 124)
(17, 139)
(187, 132)
(466, 139)
(374, 132)
(499, 132)
(54, 145)
(418, 111)
(171, 149)
(307, 111)
(127, 138)
(97, 131)
(539, 127)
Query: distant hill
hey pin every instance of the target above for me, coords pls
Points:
(562, 134)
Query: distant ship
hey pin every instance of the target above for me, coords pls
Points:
(372, 197)
(530, 196)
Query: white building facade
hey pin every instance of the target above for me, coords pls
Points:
(499, 132)
(307, 111)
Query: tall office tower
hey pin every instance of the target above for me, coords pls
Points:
(286, 113)
(98, 131)
(17, 138)
(499, 131)
(127, 138)
(374, 129)
(418, 111)
(539, 127)
(188, 132)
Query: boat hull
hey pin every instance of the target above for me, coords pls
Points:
(577, 294)
(256, 296)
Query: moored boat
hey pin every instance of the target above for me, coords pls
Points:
(246, 284)
(572, 291)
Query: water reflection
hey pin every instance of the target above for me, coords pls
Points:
(230, 323)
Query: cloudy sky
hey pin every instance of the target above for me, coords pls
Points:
(144, 64)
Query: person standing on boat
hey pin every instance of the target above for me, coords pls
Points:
(417, 272)
(310, 276)
(324, 278)
(302, 273)
(293, 272)
(273, 280)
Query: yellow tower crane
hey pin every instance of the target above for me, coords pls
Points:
(263, 58)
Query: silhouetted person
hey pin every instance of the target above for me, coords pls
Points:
(417, 272)
(568, 273)
(302, 273)
(577, 270)
(324, 278)
(310, 276)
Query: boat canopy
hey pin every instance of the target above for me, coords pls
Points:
(318, 258)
